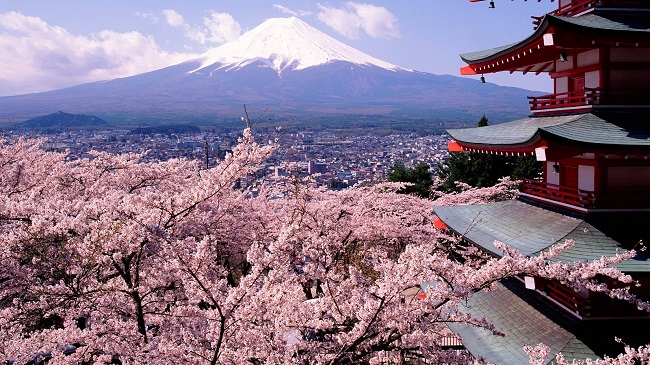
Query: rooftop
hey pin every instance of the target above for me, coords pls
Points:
(528, 319)
(523, 324)
(531, 229)
(611, 129)
(634, 24)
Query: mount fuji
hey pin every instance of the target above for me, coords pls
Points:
(284, 65)
(286, 44)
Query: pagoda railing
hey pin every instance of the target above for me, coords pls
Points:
(568, 298)
(581, 99)
(628, 199)
(570, 99)
(587, 303)
(559, 193)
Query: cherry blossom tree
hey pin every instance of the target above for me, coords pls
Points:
(630, 355)
(114, 260)
(505, 189)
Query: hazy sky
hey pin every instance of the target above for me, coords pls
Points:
(47, 45)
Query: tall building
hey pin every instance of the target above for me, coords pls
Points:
(317, 168)
(593, 136)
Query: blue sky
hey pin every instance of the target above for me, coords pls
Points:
(46, 45)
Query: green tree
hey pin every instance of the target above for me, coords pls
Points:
(476, 169)
(419, 176)
(483, 122)
(482, 170)
(526, 167)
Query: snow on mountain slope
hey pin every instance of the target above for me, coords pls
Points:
(319, 77)
(284, 43)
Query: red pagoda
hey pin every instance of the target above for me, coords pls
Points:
(593, 138)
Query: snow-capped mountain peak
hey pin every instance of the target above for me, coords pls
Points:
(284, 43)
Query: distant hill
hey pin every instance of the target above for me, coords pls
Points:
(61, 120)
(292, 69)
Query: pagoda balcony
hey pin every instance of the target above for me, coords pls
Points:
(570, 9)
(587, 99)
(566, 101)
(580, 6)
(589, 304)
(583, 200)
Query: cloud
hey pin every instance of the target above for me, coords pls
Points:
(349, 21)
(174, 19)
(149, 16)
(36, 56)
(218, 28)
(297, 13)
(377, 21)
(342, 21)
(221, 27)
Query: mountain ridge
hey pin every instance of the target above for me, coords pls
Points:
(287, 42)
(219, 84)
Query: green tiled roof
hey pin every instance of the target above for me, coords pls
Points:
(602, 128)
(592, 244)
(480, 55)
(521, 226)
(608, 21)
(523, 325)
(516, 132)
(622, 129)
(637, 23)
(531, 229)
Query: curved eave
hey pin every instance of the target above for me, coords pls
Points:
(538, 52)
(522, 135)
(619, 23)
(532, 230)
(605, 131)
(509, 150)
(507, 57)
(525, 319)
(578, 146)
(624, 131)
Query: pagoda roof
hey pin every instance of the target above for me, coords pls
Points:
(531, 229)
(522, 323)
(607, 129)
(610, 21)
(630, 26)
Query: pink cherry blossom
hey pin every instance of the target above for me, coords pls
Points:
(167, 263)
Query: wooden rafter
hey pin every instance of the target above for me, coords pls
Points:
(544, 67)
(527, 69)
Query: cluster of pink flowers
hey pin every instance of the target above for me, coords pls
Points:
(505, 189)
(110, 258)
